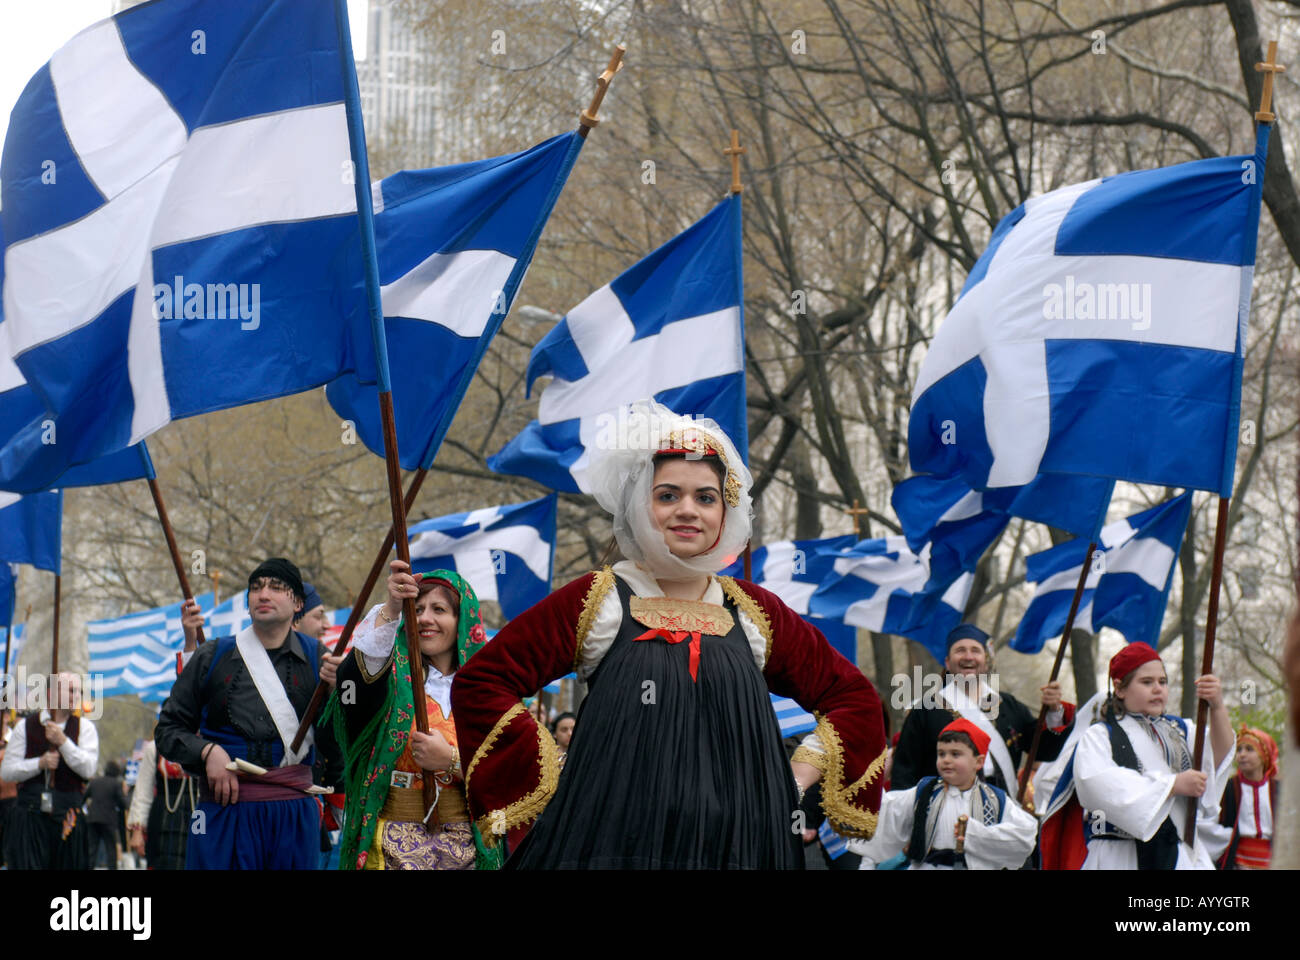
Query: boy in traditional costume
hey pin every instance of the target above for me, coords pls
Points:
(1131, 774)
(676, 759)
(238, 702)
(1250, 802)
(386, 825)
(924, 821)
(51, 756)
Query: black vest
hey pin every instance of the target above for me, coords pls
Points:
(65, 780)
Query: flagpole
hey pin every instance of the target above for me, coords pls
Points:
(54, 655)
(321, 693)
(170, 535)
(1264, 117)
(588, 119)
(734, 150)
(370, 263)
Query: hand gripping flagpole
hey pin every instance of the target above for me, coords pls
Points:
(1264, 118)
(370, 262)
(1027, 772)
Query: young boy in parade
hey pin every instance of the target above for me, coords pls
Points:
(924, 822)
(1250, 803)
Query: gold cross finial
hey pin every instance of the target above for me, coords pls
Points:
(734, 151)
(854, 512)
(1268, 68)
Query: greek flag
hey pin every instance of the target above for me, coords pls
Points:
(792, 569)
(227, 618)
(835, 845)
(670, 328)
(454, 244)
(136, 654)
(337, 620)
(16, 650)
(28, 435)
(882, 586)
(31, 529)
(1100, 333)
(792, 718)
(8, 591)
(179, 219)
(1128, 582)
(506, 553)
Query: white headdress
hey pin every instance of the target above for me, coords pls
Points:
(622, 472)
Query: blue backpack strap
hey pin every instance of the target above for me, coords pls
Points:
(311, 647)
(224, 646)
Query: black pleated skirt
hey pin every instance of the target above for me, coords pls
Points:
(669, 773)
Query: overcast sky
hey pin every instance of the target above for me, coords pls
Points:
(31, 30)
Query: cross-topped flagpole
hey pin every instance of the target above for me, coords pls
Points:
(855, 511)
(734, 151)
(1264, 117)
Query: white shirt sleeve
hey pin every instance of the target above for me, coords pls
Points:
(142, 797)
(1001, 846)
(374, 638)
(893, 829)
(1137, 803)
(186, 656)
(17, 768)
(82, 757)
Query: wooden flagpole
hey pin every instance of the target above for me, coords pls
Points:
(54, 655)
(170, 535)
(737, 188)
(1056, 669)
(322, 690)
(370, 265)
(1263, 116)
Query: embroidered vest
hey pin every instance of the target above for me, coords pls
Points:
(993, 803)
(65, 779)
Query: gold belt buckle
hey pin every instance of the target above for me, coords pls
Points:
(401, 778)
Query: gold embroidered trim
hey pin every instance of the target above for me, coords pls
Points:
(847, 819)
(497, 823)
(600, 586)
(808, 755)
(750, 608)
(693, 440)
(366, 676)
(691, 616)
(486, 746)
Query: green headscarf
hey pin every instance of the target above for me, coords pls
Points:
(372, 756)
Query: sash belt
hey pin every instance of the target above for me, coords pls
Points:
(281, 783)
(406, 805)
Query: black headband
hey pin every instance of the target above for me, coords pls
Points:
(279, 568)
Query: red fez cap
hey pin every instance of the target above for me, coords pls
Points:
(1130, 658)
(978, 736)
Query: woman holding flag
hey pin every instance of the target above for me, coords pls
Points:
(386, 823)
(676, 761)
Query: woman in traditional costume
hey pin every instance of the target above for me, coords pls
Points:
(1133, 772)
(386, 823)
(676, 760)
(1250, 803)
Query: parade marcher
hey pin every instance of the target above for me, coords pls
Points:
(1008, 723)
(51, 756)
(240, 699)
(922, 821)
(105, 800)
(677, 759)
(1131, 772)
(311, 619)
(386, 825)
(8, 789)
(1250, 801)
(161, 813)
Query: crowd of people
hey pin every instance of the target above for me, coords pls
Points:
(674, 759)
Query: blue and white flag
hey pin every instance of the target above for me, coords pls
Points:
(670, 328)
(507, 554)
(1128, 581)
(28, 435)
(882, 586)
(834, 845)
(1100, 333)
(15, 651)
(793, 569)
(31, 529)
(179, 218)
(136, 653)
(792, 718)
(228, 618)
(454, 244)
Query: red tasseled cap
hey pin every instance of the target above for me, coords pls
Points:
(1129, 659)
(978, 736)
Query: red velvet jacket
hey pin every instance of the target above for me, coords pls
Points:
(511, 770)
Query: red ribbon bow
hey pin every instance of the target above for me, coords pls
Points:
(677, 636)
